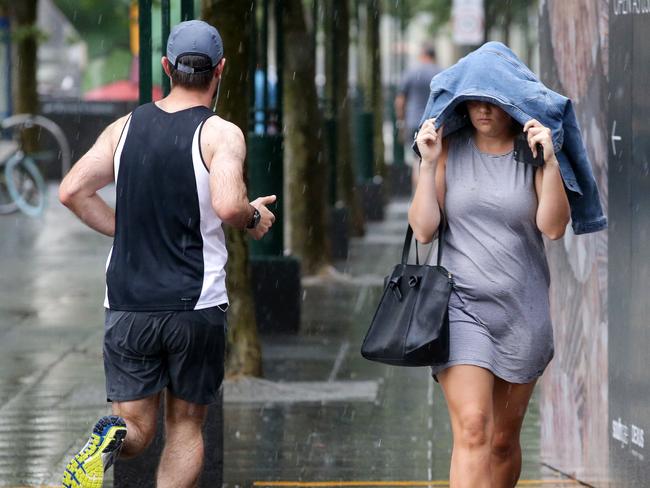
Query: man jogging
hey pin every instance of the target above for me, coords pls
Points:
(178, 171)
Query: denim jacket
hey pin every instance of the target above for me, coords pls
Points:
(494, 74)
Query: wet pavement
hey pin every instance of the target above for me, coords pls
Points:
(322, 416)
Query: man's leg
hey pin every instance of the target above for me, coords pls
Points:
(140, 417)
(195, 341)
(182, 458)
(127, 432)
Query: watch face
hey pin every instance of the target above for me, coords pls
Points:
(255, 219)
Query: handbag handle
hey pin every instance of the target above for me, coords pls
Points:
(409, 237)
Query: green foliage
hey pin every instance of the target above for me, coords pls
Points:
(26, 32)
(107, 69)
(498, 13)
(104, 25)
(440, 10)
(503, 13)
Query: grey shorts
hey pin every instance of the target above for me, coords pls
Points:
(145, 352)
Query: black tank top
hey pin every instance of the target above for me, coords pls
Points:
(169, 249)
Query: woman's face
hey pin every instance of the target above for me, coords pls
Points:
(489, 119)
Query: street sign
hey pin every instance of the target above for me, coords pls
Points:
(468, 18)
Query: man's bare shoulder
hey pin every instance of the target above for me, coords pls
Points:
(111, 135)
(223, 139)
(217, 128)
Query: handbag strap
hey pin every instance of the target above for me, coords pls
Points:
(406, 250)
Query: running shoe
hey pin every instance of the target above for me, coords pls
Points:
(86, 469)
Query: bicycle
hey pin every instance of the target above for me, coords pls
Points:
(22, 186)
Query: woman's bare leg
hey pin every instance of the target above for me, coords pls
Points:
(468, 391)
(510, 404)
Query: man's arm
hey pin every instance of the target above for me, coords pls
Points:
(78, 190)
(400, 103)
(400, 107)
(227, 186)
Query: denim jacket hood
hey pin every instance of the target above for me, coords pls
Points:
(494, 74)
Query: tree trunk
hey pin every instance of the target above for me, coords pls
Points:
(234, 20)
(507, 22)
(489, 19)
(304, 144)
(375, 89)
(339, 18)
(25, 36)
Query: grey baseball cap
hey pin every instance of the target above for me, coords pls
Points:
(197, 38)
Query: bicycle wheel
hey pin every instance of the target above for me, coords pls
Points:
(25, 184)
(13, 126)
(7, 204)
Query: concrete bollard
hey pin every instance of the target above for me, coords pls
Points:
(277, 293)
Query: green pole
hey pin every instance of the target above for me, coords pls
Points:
(331, 126)
(314, 22)
(252, 65)
(187, 10)
(279, 57)
(398, 147)
(402, 27)
(144, 24)
(265, 64)
(265, 151)
(166, 25)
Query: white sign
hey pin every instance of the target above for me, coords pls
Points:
(468, 18)
(631, 436)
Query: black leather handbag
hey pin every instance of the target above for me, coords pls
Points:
(411, 324)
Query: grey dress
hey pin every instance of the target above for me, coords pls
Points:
(499, 313)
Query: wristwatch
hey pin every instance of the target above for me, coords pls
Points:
(255, 219)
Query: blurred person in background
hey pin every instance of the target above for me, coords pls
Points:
(411, 100)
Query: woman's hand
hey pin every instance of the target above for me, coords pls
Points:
(553, 210)
(429, 141)
(538, 134)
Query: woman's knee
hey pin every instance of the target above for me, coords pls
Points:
(505, 444)
(475, 428)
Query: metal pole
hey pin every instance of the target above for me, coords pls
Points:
(5, 28)
(265, 63)
(144, 33)
(333, 72)
(187, 9)
(252, 65)
(166, 25)
(334, 64)
(314, 24)
(402, 28)
(279, 49)
(396, 70)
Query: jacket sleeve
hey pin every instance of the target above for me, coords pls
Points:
(586, 208)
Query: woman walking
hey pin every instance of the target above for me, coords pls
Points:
(501, 338)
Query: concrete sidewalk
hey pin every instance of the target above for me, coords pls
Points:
(389, 426)
(322, 416)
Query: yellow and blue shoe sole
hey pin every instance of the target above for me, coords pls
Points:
(86, 468)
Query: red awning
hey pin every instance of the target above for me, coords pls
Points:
(122, 91)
